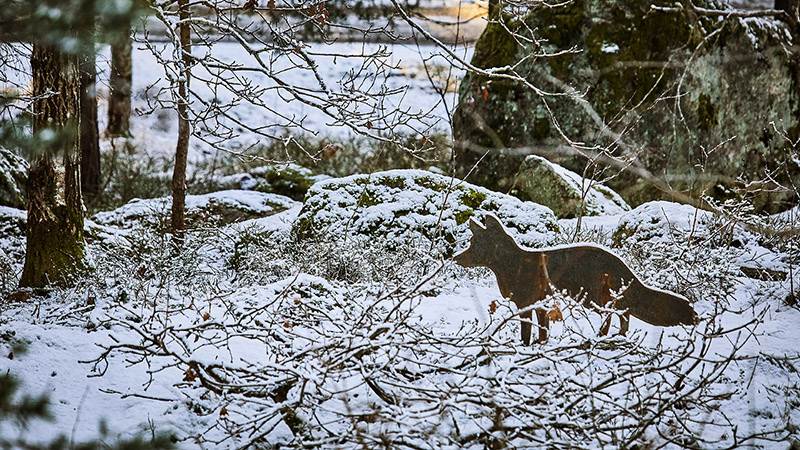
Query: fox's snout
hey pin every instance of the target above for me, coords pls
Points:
(464, 258)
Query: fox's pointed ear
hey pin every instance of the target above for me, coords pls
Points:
(493, 223)
(475, 226)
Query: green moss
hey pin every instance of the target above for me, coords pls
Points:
(464, 215)
(472, 198)
(393, 182)
(496, 46)
(706, 113)
(429, 183)
(286, 181)
(367, 199)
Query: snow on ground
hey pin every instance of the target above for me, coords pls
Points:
(51, 365)
(397, 69)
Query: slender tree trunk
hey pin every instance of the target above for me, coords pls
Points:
(178, 219)
(55, 247)
(90, 138)
(120, 81)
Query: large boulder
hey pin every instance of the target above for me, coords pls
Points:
(13, 174)
(668, 90)
(567, 193)
(401, 206)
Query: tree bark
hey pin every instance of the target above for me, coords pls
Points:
(120, 81)
(55, 249)
(90, 137)
(178, 219)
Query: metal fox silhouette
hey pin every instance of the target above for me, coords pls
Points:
(587, 270)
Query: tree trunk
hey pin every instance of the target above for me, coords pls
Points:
(178, 219)
(55, 247)
(90, 138)
(120, 81)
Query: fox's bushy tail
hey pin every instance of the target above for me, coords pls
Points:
(658, 307)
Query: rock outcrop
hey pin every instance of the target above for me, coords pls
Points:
(402, 206)
(290, 180)
(214, 209)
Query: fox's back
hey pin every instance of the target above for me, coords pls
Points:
(583, 268)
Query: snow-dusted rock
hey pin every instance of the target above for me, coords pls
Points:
(290, 180)
(663, 223)
(13, 173)
(562, 190)
(216, 208)
(403, 205)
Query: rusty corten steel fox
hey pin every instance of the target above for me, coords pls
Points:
(582, 270)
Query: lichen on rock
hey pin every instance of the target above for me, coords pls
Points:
(400, 206)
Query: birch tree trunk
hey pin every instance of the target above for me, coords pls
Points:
(55, 250)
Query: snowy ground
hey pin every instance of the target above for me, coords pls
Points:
(398, 69)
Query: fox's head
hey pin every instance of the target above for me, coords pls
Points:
(487, 245)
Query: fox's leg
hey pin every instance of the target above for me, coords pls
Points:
(525, 327)
(624, 323)
(544, 324)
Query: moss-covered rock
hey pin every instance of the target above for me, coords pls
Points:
(682, 92)
(565, 192)
(214, 209)
(13, 173)
(400, 206)
(290, 180)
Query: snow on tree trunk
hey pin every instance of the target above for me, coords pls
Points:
(55, 245)
(182, 150)
(119, 101)
(89, 135)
